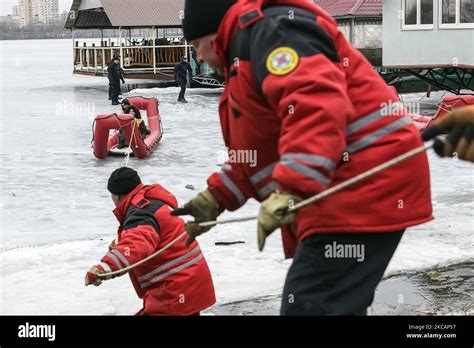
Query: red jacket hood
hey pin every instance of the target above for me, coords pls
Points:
(155, 191)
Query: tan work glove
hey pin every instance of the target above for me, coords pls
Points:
(92, 277)
(460, 140)
(274, 214)
(204, 207)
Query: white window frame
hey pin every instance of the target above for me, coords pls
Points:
(458, 24)
(418, 18)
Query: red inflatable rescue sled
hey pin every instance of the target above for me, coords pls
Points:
(447, 105)
(105, 144)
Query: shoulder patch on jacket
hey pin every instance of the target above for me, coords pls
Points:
(283, 37)
(136, 216)
(282, 60)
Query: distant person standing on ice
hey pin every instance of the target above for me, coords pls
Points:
(115, 76)
(181, 71)
(111, 86)
(317, 114)
(176, 282)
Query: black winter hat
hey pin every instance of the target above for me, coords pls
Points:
(123, 181)
(203, 17)
(125, 103)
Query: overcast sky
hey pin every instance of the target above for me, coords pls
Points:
(6, 6)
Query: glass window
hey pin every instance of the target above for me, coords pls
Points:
(427, 11)
(467, 11)
(449, 11)
(410, 11)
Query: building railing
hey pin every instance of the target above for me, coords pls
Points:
(149, 59)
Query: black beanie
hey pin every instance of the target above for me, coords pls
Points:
(123, 181)
(125, 103)
(203, 17)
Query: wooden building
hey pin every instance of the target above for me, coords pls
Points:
(151, 54)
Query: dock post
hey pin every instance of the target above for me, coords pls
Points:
(102, 44)
(81, 56)
(154, 51)
(87, 56)
(73, 51)
(95, 58)
(121, 47)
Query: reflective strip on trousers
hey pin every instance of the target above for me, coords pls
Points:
(233, 188)
(172, 271)
(170, 264)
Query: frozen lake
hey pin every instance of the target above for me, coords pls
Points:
(56, 214)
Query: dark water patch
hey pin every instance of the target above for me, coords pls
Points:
(441, 291)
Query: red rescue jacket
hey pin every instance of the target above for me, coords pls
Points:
(176, 282)
(315, 113)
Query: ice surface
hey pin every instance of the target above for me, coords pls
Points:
(56, 215)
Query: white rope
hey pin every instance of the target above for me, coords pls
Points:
(127, 157)
(141, 262)
(300, 205)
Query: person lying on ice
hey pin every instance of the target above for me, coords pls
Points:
(121, 141)
(135, 112)
(176, 282)
(317, 114)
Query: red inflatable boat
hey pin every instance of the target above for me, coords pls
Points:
(447, 105)
(105, 144)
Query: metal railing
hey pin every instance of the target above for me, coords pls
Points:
(134, 59)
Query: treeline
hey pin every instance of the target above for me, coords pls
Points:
(10, 31)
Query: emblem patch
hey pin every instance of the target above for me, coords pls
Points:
(282, 61)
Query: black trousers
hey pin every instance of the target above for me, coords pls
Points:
(182, 84)
(336, 274)
(111, 90)
(114, 91)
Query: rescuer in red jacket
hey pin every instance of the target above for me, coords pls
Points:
(316, 113)
(177, 281)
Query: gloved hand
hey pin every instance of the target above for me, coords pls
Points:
(274, 214)
(112, 245)
(460, 139)
(204, 207)
(92, 276)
